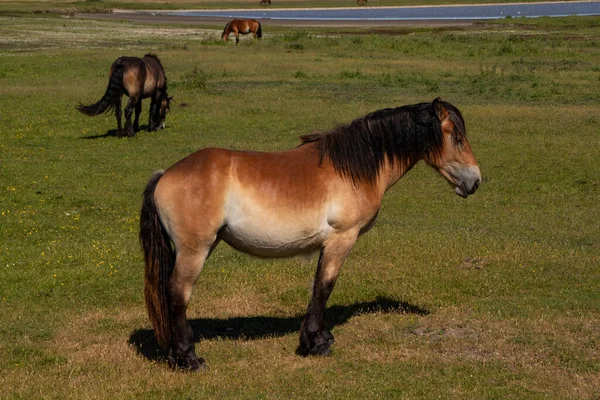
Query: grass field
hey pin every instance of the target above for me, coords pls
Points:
(493, 297)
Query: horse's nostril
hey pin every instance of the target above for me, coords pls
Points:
(476, 185)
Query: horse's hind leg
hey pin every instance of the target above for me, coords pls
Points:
(136, 121)
(128, 111)
(187, 268)
(118, 115)
(314, 339)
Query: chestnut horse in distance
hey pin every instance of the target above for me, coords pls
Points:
(243, 26)
(317, 197)
(138, 78)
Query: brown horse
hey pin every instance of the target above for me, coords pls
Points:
(320, 196)
(243, 26)
(265, 2)
(361, 1)
(138, 78)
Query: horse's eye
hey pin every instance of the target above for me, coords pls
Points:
(458, 140)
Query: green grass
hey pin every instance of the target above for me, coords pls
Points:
(491, 297)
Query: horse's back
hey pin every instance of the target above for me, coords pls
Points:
(293, 173)
(246, 26)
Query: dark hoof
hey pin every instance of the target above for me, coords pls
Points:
(188, 364)
(320, 350)
(328, 337)
(317, 345)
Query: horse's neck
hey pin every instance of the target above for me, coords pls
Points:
(391, 173)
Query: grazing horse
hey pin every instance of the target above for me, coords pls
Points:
(265, 2)
(361, 1)
(320, 196)
(243, 26)
(138, 78)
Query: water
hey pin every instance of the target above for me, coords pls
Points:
(466, 12)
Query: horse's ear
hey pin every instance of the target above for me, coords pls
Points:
(440, 110)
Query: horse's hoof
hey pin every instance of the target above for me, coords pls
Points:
(319, 345)
(187, 365)
(321, 349)
(328, 337)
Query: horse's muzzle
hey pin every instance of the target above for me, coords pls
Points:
(468, 182)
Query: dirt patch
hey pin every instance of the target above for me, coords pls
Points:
(450, 332)
(473, 263)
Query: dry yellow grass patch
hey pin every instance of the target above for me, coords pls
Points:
(89, 34)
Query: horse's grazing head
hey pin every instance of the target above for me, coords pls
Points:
(454, 159)
(163, 109)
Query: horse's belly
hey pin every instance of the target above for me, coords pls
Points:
(267, 236)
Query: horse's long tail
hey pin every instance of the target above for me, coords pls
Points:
(159, 258)
(113, 92)
(259, 31)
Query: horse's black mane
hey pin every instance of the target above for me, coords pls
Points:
(404, 134)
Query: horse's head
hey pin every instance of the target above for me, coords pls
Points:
(163, 109)
(455, 159)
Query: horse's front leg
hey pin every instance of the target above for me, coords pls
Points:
(152, 126)
(314, 338)
(237, 37)
(128, 111)
(136, 121)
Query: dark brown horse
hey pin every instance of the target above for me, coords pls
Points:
(138, 78)
(317, 197)
(243, 26)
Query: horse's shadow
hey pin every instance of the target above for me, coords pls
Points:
(257, 327)
(113, 133)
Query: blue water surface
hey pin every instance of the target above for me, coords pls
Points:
(466, 12)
